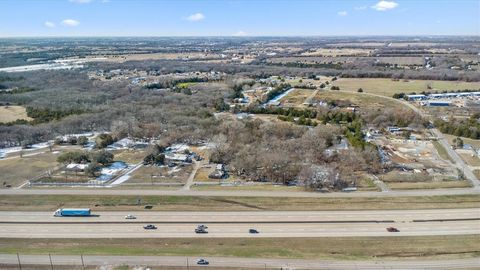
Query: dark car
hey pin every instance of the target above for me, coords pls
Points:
(198, 230)
(392, 229)
(202, 262)
(202, 227)
(150, 227)
(252, 231)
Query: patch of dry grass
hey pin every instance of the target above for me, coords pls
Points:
(339, 248)
(12, 113)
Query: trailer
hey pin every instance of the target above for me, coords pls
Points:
(64, 212)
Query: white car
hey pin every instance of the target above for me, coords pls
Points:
(130, 217)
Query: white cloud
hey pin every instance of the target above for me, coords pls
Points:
(196, 17)
(385, 5)
(360, 8)
(240, 34)
(342, 13)
(80, 1)
(49, 24)
(70, 22)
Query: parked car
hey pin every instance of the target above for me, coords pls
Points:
(252, 231)
(202, 262)
(392, 229)
(150, 227)
(130, 217)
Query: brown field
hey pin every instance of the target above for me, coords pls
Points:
(155, 174)
(474, 143)
(296, 97)
(12, 113)
(337, 52)
(15, 171)
(130, 156)
(387, 87)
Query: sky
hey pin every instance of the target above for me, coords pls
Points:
(35, 18)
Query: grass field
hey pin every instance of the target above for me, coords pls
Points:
(12, 113)
(363, 101)
(267, 187)
(192, 203)
(16, 171)
(428, 185)
(130, 156)
(147, 174)
(474, 143)
(339, 248)
(442, 151)
(387, 87)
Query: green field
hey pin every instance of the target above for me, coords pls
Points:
(338, 248)
(192, 203)
(387, 87)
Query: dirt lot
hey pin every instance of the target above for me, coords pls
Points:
(387, 87)
(12, 113)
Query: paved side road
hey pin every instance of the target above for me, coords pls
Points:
(258, 263)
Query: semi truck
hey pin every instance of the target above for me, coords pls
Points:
(64, 212)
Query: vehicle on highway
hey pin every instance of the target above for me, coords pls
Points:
(150, 227)
(130, 217)
(198, 230)
(79, 212)
(202, 262)
(253, 231)
(203, 227)
(392, 229)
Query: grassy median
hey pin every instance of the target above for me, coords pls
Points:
(303, 248)
(199, 203)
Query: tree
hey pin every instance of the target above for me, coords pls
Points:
(73, 157)
(103, 140)
(458, 142)
(360, 90)
(82, 140)
(102, 157)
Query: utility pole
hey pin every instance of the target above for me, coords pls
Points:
(188, 267)
(19, 264)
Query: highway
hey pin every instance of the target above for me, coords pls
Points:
(244, 263)
(237, 224)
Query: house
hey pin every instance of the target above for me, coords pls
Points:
(175, 157)
(76, 167)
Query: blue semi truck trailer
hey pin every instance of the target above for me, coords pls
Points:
(64, 212)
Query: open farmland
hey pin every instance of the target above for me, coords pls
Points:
(12, 113)
(358, 99)
(388, 87)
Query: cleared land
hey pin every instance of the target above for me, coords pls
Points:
(359, 99)
(387, 87)
(12, 113)
(159, 175)
(16, 171)
(197, 203)
(442, 152)
(305, 248)
(474, 143)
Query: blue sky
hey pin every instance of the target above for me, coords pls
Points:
(237, 17)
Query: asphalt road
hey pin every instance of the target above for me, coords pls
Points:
(247, 216)
(237, 224)
(258, 263)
